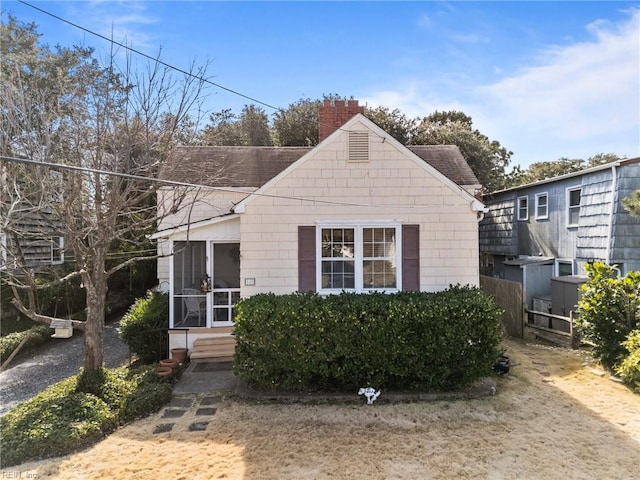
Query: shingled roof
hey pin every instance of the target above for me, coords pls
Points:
(226, 166)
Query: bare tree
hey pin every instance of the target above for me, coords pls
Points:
(108, 129)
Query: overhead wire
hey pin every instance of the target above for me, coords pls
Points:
(89, 170)
(163, 63)
(172, 182)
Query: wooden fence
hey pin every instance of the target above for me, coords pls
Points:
(556, 329)
(520, 322)
(509, 296)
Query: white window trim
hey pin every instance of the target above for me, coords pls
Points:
(546, 214)
(558, 261)
(358, 255)
(3, 251)
(569, 207)
(525, 217)
(59, 261)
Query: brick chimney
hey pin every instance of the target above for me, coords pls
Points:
(335, 113)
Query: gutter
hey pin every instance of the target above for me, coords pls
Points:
(480, 208)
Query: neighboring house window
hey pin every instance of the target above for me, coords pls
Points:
(358, 258)
(564, 267)
(573, 206)
(542, 206)
(3, 250)
(57, 250)
(523, 208)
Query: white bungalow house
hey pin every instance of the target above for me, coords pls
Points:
(359, 212)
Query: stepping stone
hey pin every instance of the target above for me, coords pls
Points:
(198, 426)
(181, 402)
(209, 401)
(163, 428)
(173, 413)
(206, 411)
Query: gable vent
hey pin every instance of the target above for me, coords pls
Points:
(358, 146)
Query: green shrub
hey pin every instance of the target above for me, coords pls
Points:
(432, 341)
(76, 412)
(629, 368)
(54, 422)
(608, 310)
(36, 335)
(142, 325)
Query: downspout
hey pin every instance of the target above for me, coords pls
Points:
(614, 186)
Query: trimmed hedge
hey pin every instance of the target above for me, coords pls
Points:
(141, 328)
(78, 411)
(404, 341)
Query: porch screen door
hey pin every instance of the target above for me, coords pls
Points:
(189, 268)
(226, 281)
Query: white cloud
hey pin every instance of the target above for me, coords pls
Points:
(582, 98)
(121, 21)
(571, 101)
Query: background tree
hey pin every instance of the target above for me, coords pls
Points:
(298, 124)
(394, 122)
(62, 107)
(542, 170)
(223, 129)
(632, 203)
(487, 158)
(250, 128)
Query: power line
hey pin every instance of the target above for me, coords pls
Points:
(88, 170)
(154, 59)
(163, 63)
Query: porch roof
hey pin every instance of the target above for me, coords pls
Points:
(193, 226)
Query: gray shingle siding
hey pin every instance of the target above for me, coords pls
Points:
(604, 232)
(595, 212)
(625, 227)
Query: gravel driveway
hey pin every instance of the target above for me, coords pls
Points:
(29, 374)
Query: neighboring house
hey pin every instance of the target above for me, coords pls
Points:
(32, 231)
(553, 227)
(359, 212)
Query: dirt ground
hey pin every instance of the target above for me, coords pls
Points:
(554, 416)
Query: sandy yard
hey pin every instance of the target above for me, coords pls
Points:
(554, 417)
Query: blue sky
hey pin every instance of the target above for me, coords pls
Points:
(545, 79)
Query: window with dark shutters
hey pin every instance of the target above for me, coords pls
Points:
(308, 261)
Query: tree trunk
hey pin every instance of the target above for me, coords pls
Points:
(94, 328)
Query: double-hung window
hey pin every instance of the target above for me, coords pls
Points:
(359, 258)
(573, 206)
(523, 208)
(57, 250)
(3, 250)
(542, 206)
